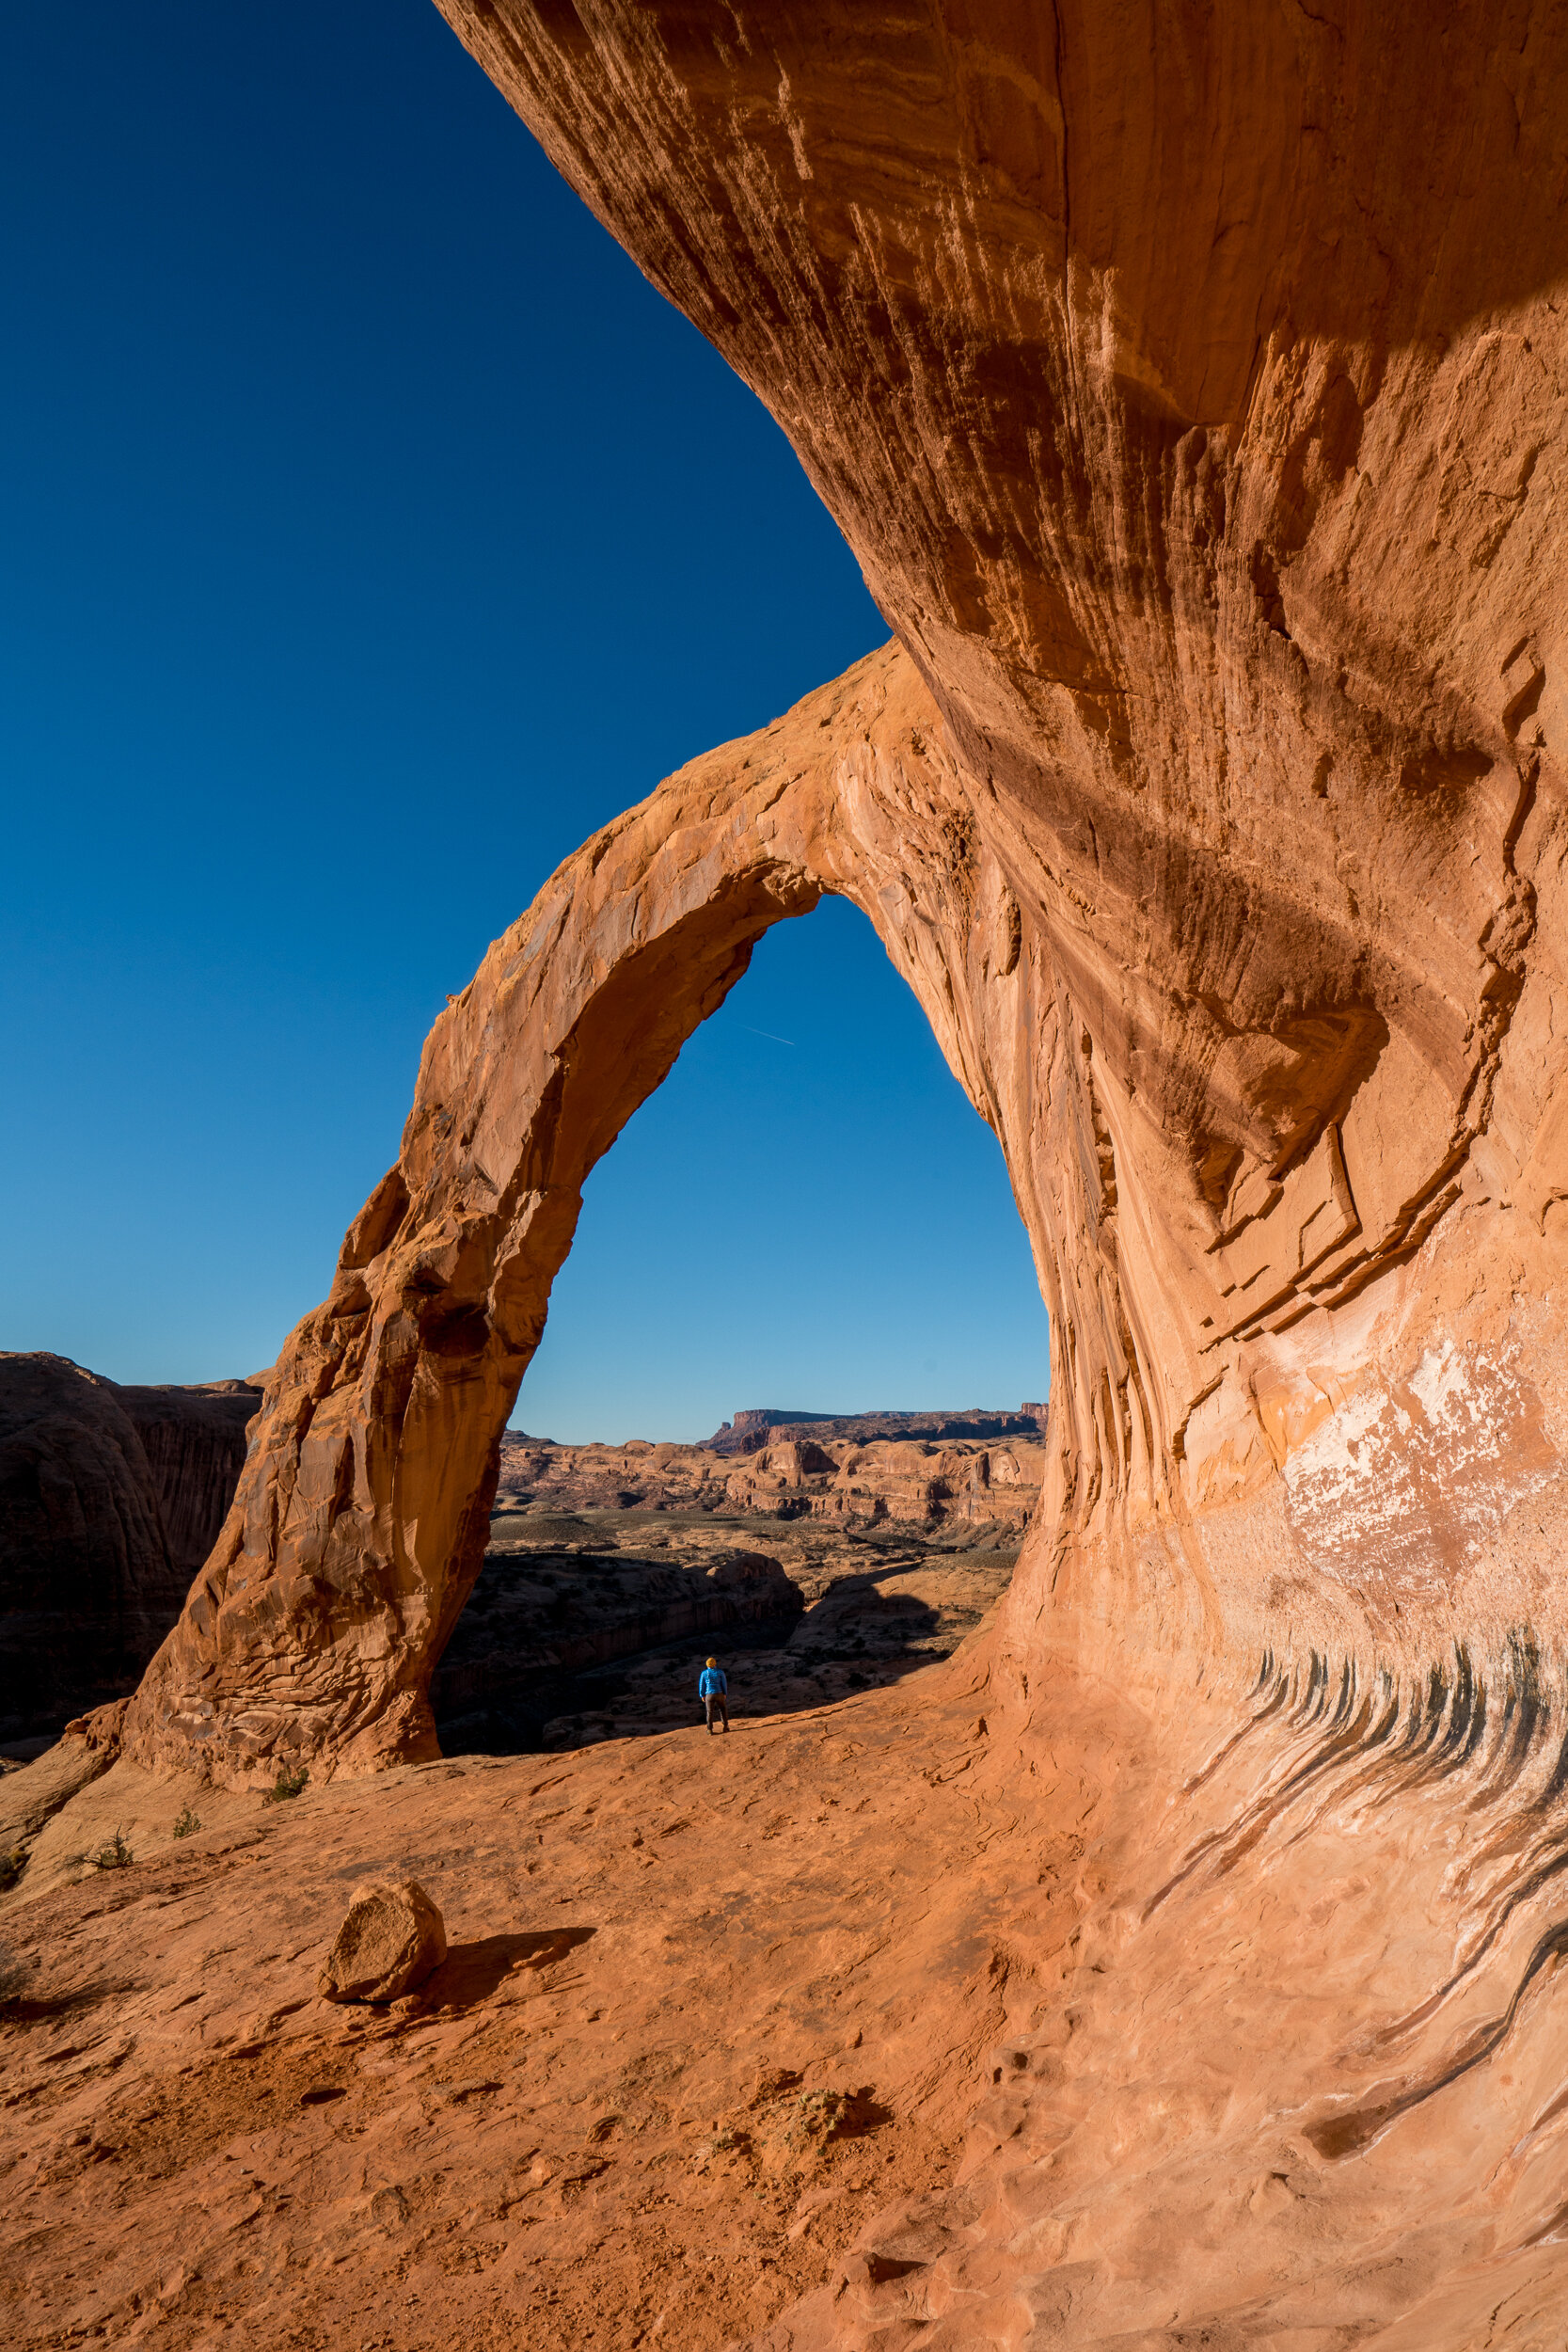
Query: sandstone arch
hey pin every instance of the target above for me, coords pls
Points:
(1214, 808)
(1188, 383)
(361, 1517)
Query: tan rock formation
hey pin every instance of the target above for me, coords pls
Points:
(1187, 385)
(923, 1483)
(391, 1939)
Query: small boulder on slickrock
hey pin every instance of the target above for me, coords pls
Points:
(392, 1938)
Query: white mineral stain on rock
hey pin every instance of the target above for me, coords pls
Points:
(1438, 1378)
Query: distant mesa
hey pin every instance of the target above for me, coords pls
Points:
(756, 1425)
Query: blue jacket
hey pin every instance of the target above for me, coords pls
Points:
(711, 1683)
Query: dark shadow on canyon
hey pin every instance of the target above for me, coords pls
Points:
(559, 1649)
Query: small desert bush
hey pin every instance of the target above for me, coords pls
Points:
(12, 1863)
(291, 1780)
(115, 1855)
(187, 1825)
(824, 2115)
(14, 1974)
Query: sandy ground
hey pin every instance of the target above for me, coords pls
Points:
(709, 2002)
(1156, 2013)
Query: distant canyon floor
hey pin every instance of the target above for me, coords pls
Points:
(812, 1572)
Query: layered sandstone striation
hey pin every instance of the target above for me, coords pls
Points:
(1188, 388)
(110, 1499)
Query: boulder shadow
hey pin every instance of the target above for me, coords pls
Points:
(470, 1973)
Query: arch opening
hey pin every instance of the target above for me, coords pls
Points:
(814, 1216)
(363, 1513)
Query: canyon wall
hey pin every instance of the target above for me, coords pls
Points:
(110, 1500)
(749, 1430)
(866, 1483)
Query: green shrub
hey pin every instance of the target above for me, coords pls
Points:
(12, 1863)
(188, 1825)
(115, 1855)
(291, 1780)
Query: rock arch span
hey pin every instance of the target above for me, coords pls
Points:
(1212, 801)
(362, 1514)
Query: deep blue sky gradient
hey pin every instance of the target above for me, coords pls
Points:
(372, 533)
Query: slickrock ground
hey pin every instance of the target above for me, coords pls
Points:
(709, 2003)
(1228, 2024)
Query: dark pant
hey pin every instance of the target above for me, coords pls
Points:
(717, 1700)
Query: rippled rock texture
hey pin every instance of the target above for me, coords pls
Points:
(1188, 385)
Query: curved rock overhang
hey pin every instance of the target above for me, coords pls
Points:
(1187, 386)
(1189, 393)
(1187, 383)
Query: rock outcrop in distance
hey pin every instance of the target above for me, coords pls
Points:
(751, 1427)
(110, 1499)
(918, 1483)
(611, 1570)
(1188, 385)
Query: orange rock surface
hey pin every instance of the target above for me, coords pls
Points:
(1187, 386)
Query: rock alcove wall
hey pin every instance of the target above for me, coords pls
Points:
(1187, 383)
(1189, 396)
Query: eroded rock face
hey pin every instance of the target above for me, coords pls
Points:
(1188, 388)
(110, 1499)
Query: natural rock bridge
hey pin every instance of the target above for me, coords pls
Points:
(1188, 385)
(1189, 400)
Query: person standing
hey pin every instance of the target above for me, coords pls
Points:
(713, 1690)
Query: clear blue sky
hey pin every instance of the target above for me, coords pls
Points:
(372, 533)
